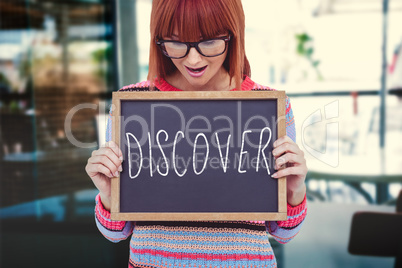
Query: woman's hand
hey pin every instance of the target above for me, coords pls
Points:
(105, 163)
(288, 155)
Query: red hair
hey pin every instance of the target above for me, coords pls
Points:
(192, 18)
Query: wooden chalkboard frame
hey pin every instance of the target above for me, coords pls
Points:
(278, 96)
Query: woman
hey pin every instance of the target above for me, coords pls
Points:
(199, 45)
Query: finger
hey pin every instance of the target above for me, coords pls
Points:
(115, 148)
(105, 161)
(110, 144)
(110, 153)
(295, 170)
(115, 157)
(282, 140)
(289, 158)
(286, 148)
(95, 169)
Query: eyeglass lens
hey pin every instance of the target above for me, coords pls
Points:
(208, 48)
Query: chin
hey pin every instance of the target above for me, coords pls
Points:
(197, 82)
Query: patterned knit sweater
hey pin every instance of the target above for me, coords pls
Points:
(198, 244)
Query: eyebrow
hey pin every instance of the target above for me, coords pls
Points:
(176, 36)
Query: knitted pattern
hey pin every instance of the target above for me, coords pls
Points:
(199, 244)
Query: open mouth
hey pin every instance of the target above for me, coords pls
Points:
(197, 70)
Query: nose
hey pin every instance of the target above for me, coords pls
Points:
(194, 57)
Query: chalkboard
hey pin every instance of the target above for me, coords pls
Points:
(198, 155)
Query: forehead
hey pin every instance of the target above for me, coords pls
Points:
(192, 20)
(185, 37)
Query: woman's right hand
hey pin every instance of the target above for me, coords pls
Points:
(104, 164)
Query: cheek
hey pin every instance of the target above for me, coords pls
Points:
(222, 58)
(219, 61)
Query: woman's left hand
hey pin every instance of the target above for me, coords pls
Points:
(288, 155)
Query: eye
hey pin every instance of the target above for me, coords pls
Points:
(175, 45)
(209, 43)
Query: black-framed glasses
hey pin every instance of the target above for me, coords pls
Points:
(208, 48)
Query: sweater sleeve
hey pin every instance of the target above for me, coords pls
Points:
(114, 231)
(284, 231)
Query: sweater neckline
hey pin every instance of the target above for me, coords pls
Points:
(162, 85)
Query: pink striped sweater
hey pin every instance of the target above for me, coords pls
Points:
(202, 244)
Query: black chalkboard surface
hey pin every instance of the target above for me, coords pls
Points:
(198, 155)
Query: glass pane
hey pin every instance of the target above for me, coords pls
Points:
(56, 61)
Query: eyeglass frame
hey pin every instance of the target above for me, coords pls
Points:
(160, 42)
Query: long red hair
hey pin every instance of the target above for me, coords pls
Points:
(192, 18)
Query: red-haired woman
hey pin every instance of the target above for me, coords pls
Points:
(199, 45)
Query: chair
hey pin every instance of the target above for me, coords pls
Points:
(378, 234)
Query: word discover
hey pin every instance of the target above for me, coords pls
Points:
(133, 142)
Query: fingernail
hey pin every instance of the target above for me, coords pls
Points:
(116, 173)
(280, 161)
(121, 158)
(275, 175)
(274, 152)
(120, 169)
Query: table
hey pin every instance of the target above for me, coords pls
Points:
(354, 170)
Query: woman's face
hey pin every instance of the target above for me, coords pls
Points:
(197, 72)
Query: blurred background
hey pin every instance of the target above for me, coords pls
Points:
(339, 61)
